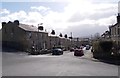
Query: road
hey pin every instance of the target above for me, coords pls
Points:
(21, 64)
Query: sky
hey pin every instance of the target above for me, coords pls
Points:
(81, 17)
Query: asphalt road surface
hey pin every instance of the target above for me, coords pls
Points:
(21, 64)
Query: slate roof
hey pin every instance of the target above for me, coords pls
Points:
(29, 28)
(113, 25)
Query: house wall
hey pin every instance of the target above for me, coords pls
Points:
(12, 36)
(15, 37)
(66, 43)
(115, 33)
(53, 41)
(57, 41)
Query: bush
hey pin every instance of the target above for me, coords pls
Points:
(116, 49)
(96, 49)
(106, 45)
(102, 49)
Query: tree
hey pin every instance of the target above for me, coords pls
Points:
(97, 36)
(60, 35)
(53, 32)
(65, 35)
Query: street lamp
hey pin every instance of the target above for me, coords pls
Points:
(70, 40)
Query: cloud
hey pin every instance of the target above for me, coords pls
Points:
(78, 17)
(93, 12)
(90, 17)
(85, 30)
(4, 11)
(21, 15)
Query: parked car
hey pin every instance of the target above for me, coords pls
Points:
(44, 51)
(57, 51)
(71, 49)
(81, 47)
(87, 47)
(33, 51)
(78, 52)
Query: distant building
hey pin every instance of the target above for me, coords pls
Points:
(56, 41)
(76, 42)
(22, 36)
(64, 42)
(81, 41)
(85, 41)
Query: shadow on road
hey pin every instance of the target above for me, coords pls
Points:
(11, 50)
(114, 61)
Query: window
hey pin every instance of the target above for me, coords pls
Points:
(29, 35)
(12, 30)
(115, 31)
(119, 31)
(5, 30)
(11, 34)
(36, 34)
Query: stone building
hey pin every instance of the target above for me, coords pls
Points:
(115, 30)
(56, 41)
(65, 43)
(76, 42)
(53, 41)
(22, 36)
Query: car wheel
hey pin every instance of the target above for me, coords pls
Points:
(74, 54)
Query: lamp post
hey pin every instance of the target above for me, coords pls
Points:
(71, 39)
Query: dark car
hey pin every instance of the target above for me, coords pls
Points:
(87, 47)
(33, 51)
(57, 51)
(44, 51)
(71, 49)
(78, 52)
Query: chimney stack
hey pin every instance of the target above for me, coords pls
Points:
(118, 17)
(3, 24)
(16, 22)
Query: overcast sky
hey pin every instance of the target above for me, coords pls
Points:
(81, 17)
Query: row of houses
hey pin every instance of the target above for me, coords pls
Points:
(24, 37)
(114, 32)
